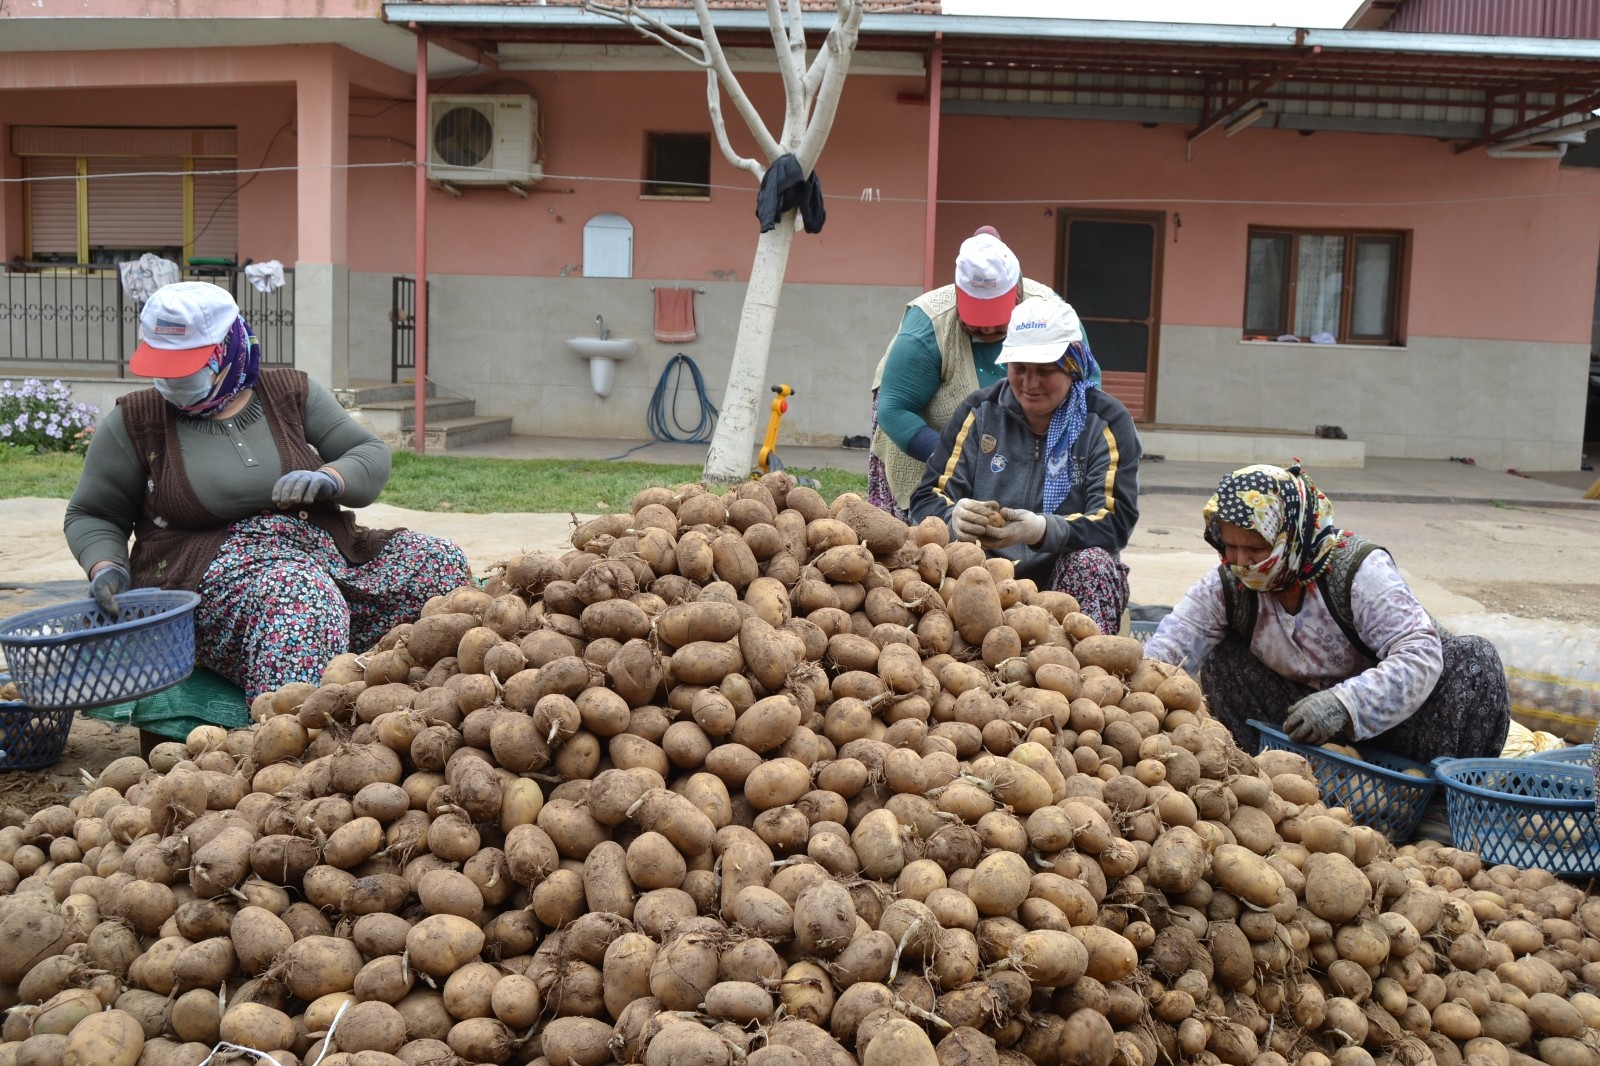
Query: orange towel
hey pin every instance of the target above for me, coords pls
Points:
(675, 316)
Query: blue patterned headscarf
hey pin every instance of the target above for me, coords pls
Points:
(1066, 423)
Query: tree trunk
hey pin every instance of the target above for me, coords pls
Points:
(733, 443)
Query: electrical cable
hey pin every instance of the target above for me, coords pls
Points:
(662, 416)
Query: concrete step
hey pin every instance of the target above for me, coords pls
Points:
(458, 432)
(1242, 447)
(402, 414)
(364, 394)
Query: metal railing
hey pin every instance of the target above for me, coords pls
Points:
(76, 316)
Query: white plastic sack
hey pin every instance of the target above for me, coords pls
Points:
(1552, 670)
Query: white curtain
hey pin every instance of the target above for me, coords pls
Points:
(1318, 282)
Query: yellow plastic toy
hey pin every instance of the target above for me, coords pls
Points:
(767, 459)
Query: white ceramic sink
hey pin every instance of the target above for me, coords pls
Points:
(614, 348)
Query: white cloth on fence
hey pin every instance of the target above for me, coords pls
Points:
(141, 277)
(265, 276)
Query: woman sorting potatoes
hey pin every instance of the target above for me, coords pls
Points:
(1311, 628)
(1043, 467)
(229, 478)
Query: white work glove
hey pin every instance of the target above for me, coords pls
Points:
(969, 519)
(1021, 527)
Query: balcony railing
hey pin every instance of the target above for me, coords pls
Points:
(67, 317)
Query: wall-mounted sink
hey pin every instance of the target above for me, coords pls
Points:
(603, 354)
(609, 348)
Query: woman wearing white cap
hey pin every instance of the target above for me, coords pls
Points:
(229, 478)
(945, 349)
(1052, 457)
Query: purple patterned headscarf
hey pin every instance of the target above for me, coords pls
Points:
(238, 358)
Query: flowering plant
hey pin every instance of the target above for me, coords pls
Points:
(45, 418)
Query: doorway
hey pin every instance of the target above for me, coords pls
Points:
(1109, 270)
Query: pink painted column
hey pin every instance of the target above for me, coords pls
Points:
(935, 96)
(322, 121)
(419, 335)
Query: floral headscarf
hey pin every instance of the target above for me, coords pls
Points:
(1283, 506)
(238, 357)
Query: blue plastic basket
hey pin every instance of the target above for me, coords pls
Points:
(1142, 631)
(1582, 754)
(29, 738)
(74, 655)
(1529, 813)
(1375, 789)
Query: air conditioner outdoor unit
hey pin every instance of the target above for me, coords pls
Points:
(483, 140)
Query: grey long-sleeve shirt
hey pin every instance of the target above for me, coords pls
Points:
(232, 465)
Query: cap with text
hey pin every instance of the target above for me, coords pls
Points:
(1042, 329)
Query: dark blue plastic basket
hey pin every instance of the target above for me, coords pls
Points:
(1375, 789)
(1534, 814)
(73, 655)
(30, 738)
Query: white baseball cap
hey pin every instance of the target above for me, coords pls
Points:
(179, 328)
(987, 276)
(1042, 329)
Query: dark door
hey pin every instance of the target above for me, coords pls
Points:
(1109, 271)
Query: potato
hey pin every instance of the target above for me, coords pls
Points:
(900, 1043)
(441, 944)
(113, 1038)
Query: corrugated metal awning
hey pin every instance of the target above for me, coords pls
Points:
(1476, 89)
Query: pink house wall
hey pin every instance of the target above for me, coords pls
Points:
(1500, 249)
(197, 9)
(266, 205)
(594, 134)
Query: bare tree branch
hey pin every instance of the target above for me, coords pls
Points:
(685, 45)
(842, 43)
(789, 67)
(720, 125)
(730, 84)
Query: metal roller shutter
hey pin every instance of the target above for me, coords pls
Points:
(52, 208)
(142, 211)
(216, 210)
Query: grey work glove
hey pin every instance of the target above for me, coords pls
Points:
(1021, 527)
(969, 519)
(104, 586)
(304, 486)
(1317, 718)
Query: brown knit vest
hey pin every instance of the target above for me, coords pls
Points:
(175, 537)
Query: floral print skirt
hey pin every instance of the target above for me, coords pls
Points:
(280, 601)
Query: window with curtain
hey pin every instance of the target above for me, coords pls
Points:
(1328, 287)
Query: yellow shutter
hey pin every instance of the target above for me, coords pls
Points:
(52, 208)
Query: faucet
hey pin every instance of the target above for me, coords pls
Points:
(599, 320)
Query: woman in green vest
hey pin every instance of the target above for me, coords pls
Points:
(1311, 628)
(230, 479)
(945, 349)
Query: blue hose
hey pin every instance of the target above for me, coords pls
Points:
(662, 417)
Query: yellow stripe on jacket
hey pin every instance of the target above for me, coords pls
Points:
(1110, 484)
(955, 457)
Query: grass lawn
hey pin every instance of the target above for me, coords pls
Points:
(445, 483)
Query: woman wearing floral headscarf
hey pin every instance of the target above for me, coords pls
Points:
(1311, 627)
(229, 477)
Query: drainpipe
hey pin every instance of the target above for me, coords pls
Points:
(935, 80)
(419, 334)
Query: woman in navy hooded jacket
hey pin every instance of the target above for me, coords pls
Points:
(1056, 458)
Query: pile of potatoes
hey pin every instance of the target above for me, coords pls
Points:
(760, 779)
